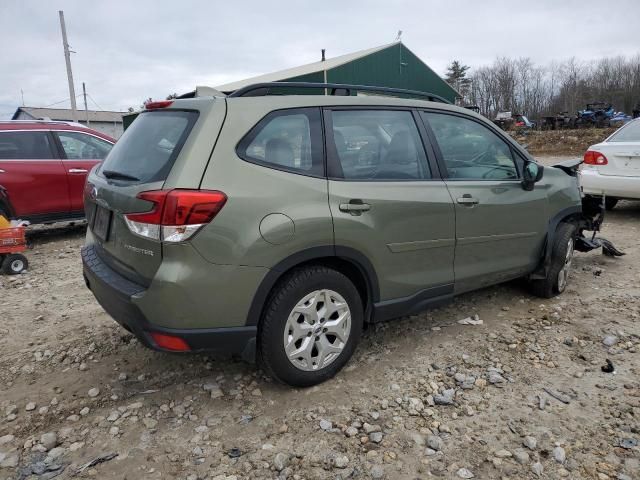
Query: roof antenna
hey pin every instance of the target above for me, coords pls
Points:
(323, 58)
(399, 36)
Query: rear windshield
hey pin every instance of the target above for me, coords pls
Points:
(148, 148)
(628, 133)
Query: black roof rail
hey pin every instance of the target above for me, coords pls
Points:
(335, 89)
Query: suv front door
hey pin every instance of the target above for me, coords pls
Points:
(388, 202)
(500, 227)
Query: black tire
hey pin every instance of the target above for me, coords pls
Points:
(286, 295)
(551, 286)
(610, 203)
(14, 263)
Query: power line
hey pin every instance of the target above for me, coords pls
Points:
(58, 103)
(96, 103)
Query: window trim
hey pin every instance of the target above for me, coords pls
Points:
(334, 167)
(440, 158)
(315, 135)
(52, 144)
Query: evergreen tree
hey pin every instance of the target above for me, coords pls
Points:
(456, 76)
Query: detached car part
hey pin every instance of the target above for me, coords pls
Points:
(593, 211)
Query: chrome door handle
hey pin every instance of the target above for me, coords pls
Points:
(467, 199)
(355, 207)
(2, 171)
(78, 170)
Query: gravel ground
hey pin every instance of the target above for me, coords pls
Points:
(520, 396)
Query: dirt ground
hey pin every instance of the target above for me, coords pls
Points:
(520, 396)
(561, 142)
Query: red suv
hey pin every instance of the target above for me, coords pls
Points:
(43, 168)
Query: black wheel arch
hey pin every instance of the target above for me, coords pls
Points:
(349, 261)
(571, 214)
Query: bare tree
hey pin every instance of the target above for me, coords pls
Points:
(521, 86)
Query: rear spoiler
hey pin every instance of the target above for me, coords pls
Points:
(570, 167)
(202, 91)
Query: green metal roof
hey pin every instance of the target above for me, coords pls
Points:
(391, 65)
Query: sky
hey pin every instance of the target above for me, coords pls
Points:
(127, 51)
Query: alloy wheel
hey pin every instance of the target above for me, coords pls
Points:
(317, 330)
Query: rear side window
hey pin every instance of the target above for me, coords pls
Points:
(628, 133)
(80, 146)
(147, 149)
(25, 146)
(286, 140)
(377, 145)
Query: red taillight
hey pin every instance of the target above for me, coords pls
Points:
(190, 207)
(156, 105)
(175, 214)
(157, 197)
(592, 157)
(170, 342)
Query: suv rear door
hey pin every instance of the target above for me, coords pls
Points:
(388, 202)
(80, 153)
(32, 174)
(500, 228)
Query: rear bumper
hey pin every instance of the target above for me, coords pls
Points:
(593, 183)
(116, 295)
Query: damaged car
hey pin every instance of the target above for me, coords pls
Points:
(278, 220)
(611, 168)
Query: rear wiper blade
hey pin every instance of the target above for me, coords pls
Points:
(119, 175)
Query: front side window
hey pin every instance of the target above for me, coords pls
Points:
(25, 146)
(471, 151)
(286, 139)
(80, 146)
(378, 145)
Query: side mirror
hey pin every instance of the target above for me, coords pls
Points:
(531, 174)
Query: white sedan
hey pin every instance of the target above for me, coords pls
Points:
(612, 167)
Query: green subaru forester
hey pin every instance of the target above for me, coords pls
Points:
(276, 222)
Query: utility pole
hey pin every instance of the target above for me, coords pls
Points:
(67, 57)
(324, 71)
(86, 110)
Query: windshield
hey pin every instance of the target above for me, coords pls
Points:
(628, 133)
(148, 148)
